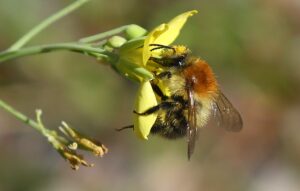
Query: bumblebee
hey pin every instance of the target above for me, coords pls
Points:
(188, 95)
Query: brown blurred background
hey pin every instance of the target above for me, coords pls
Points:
(253, 47)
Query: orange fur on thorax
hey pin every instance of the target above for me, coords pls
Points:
(202, 76)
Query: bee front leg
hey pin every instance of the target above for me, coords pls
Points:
(163, 62)
(163, 75)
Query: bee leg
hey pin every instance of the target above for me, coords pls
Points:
(162, 75)
(158, 91)
(148, 111)
(163, 62)
(176, 61)
(162, 105)
(126, 127)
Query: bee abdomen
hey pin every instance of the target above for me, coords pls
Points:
(171, 126)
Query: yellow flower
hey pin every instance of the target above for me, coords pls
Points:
(135, 55)
(130, 61)
(145, 99)
(165, 34)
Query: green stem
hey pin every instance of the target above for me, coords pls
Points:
(52, 136)
(33, 32)
(20, 116)
(104, 35)
(96, 52)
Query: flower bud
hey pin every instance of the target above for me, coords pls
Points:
(135, 31)
(116, 41)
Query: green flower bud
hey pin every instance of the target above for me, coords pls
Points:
(116, 41)
(135, 31)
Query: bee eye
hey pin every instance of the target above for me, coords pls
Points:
(179, 61)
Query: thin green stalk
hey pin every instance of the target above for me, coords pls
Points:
(20, 116)
(96, 52)
(104, 35)
(51, 135)
(44, 24)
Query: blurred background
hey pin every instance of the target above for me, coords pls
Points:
(253, 47)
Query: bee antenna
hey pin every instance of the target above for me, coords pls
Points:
(160, 46)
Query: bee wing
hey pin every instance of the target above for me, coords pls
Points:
(227, 116)
(192, 123)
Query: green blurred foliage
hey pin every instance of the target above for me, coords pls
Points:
(253, 47)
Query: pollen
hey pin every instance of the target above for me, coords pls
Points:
(177, 50)
(180, 50)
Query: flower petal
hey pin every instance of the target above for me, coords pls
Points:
(133, 71)
(130, 61)
(145, 100)
(174, 27)
(152, 36)
(132, 51)
(165, 34)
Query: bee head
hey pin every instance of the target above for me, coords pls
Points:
(171, 56)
